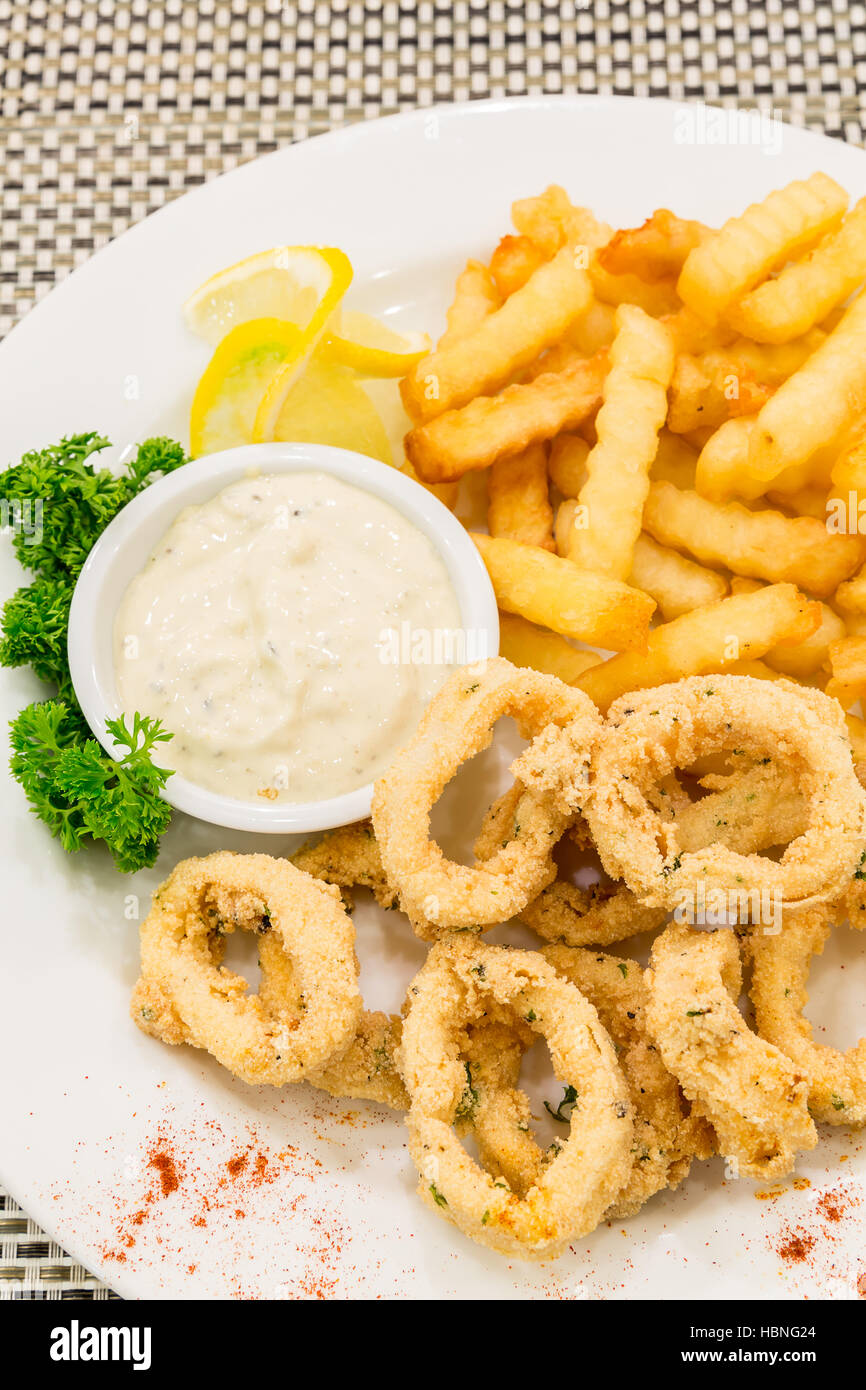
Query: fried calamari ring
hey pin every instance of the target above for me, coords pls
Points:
(753, 809)
(754, 1096)
(185, 994)
(648, 738)
(837, 1080)
(367, 1069)
(460, 982)
(668, 1132)
(493, 1109)
(595, 916)
(748, 810)
(437, 893)
(350, 858)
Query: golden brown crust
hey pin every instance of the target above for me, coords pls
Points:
(308, 1005)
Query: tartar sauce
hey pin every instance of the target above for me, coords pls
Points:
(258, 631)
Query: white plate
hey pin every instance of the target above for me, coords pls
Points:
(84, 1094)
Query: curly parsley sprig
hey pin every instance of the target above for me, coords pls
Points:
(73, 786)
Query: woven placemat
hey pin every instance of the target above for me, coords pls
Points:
(108, 110)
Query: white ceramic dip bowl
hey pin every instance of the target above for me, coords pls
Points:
(124, 547)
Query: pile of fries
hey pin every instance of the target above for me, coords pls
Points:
(672, 421)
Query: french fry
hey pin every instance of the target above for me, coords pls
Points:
(562, 527)
(524, 644)
(554, 593)
(768, 363)
(518, 503)
(493, 426)
(847, 683)
(704, 394)
(446, 492)
(656, 298)
(514, 261)
(810, 500)
(567, 463)
(817, 405)
(656, 250)
(803, 659)
(628, 423)
(850, 473)
(857, 735)
(475, 298)
(594, 330)
(505, 341)
(749, 247)
(845, 502)
(723, 468)
(693, 334)
(707, 640)
(554, 359)
(757, 544)
(678, 585)
(803, 293)
(551, 219)
(675, 461)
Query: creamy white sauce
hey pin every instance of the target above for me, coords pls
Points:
(258, 632)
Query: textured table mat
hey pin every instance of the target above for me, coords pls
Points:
(108, 110)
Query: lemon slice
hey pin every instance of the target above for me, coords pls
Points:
(372, 350)
(227, 397)
(328, 405)
(297, 283)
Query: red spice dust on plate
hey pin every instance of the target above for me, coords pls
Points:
(213, 1181)
(814, 1242)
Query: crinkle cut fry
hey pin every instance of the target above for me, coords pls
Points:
(755, 1098)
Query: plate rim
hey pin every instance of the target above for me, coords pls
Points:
(134, 1285)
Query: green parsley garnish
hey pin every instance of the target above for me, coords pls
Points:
(569, 1100)
(74, 787)
(468, 1102)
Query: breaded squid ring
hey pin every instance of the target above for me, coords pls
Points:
(437, 893)
(494, 1110)
(497, 1112)
(669, 1133)
(837, 1080)
(750, 811)
(649, 736)
(594, 916)
(461, 980)
(185, 994)
(349, 858)
(755, 1098)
